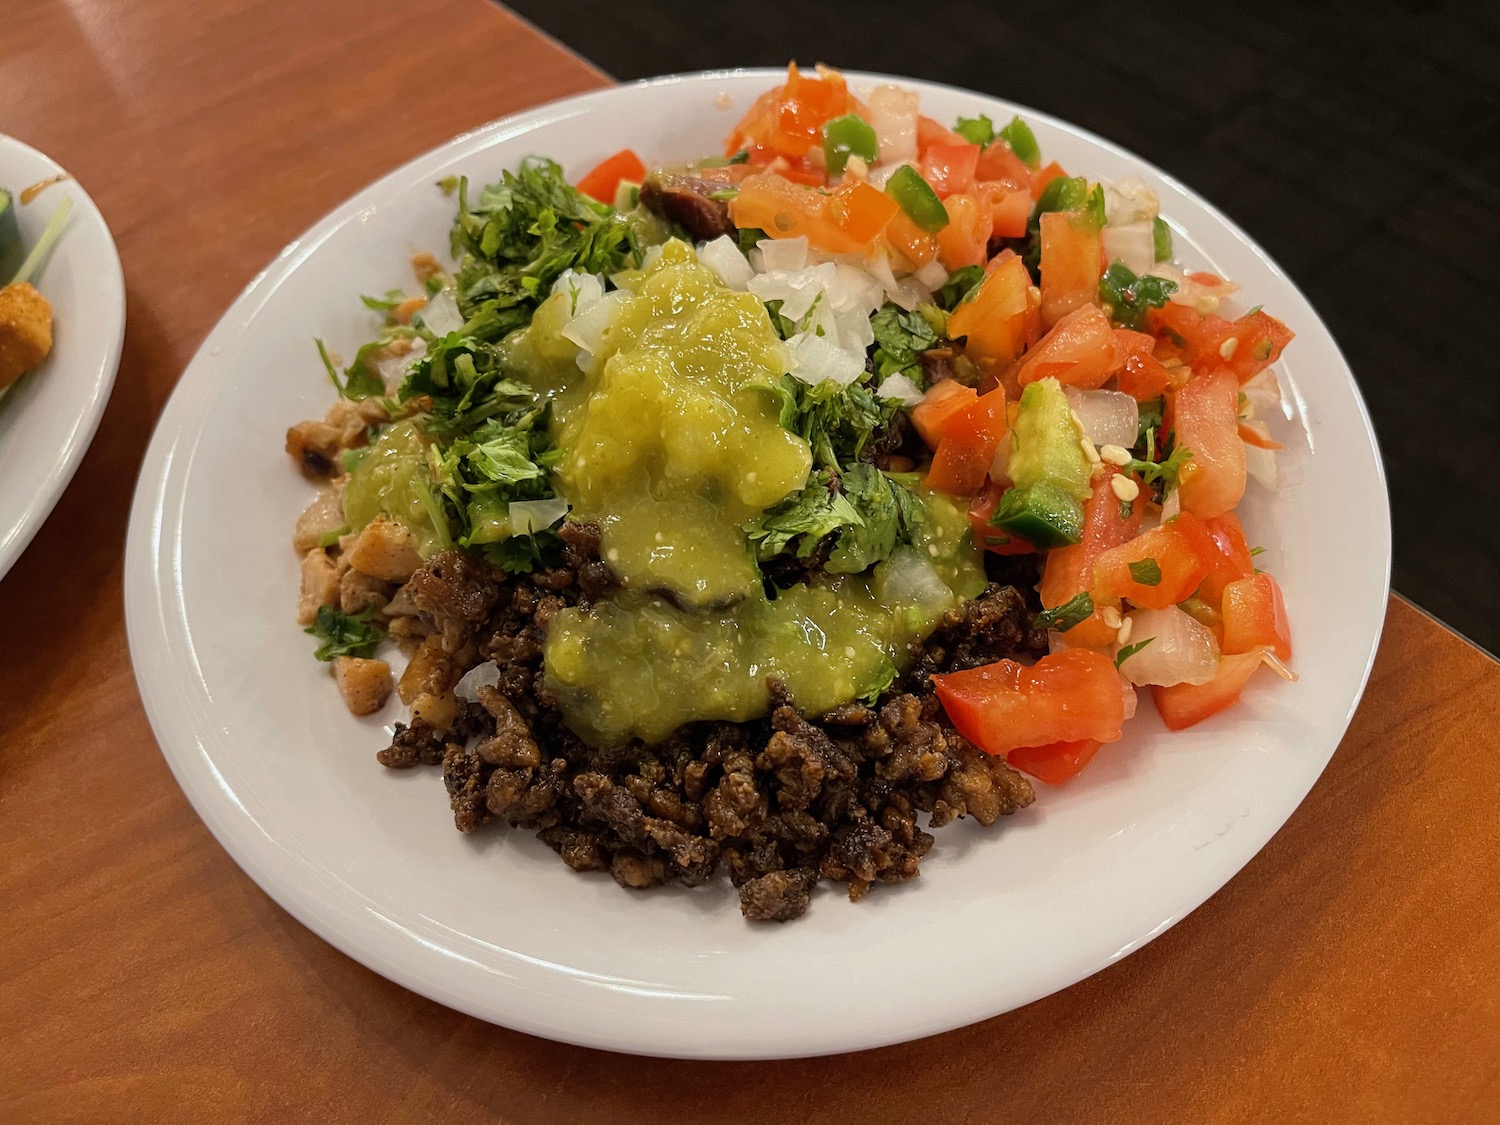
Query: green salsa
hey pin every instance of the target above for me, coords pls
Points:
(637, 665)
(392, 477)
(672, 441)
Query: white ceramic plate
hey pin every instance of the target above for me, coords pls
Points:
(495, 925)
(49, 416)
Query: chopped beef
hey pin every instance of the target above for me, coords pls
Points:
(778, 804)
(688, 201)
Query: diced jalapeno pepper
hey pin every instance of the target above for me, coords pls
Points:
(1022, 142)
(1044, 515)
(915, 196)
(843, 137)
(1161, 236)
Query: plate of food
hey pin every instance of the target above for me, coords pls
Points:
(62, 321)
(858, 559)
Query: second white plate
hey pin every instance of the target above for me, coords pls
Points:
(49, 416)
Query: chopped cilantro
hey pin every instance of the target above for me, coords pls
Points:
(871, 514)
(900, 339)
(392, 298)
(1166, 472)
(959, 287)
(345, 634)
(1128, 297)
(1130, 650)
(976, 130)
(836, 421)
(359, 382)
(880, 682)
(1063, 617)
(1147, 572)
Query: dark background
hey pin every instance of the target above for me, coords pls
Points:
(1356, 144)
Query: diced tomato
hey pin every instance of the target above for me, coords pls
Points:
(942, 401)
(782, 209)
(1182, 705)
(998, 165)
(1170, 562)
(1080, 351)
(604, 179)
(1205, 416)
(1040, 180)
(1140, 375)
(1008, 209)
(964, 240)
(949, 168)
(1230, 559)
(799, 170)
(1134, 344)
(989, 537)
(789, 119)
(918, 246)
(1068, 696)
(930, 132)
(1070, 570)
(1055, 764)
(996, 319)
(1246, 346)
(970, 436)
(1070, 263)
(1255, 617)
(1143, 378)
(862, 211)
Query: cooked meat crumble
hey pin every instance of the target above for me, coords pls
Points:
(778, 803)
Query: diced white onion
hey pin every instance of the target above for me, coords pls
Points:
(1127, 694)
(893, 113)
(1263, 396)
(441, 315)
(1194, 294)
(592, 324)
(1261, 464)
(723, 256)
(583, 290)
(1183, 650)
(797, 290)
(1171, 505)
(1131, 243)
(530, 516)
(781, 254)
(816, 359)
(481, 675)
(393, 368)
(1107, 417)
(1128, 201)
(908, 577)
(932, 275)
(857, 287)
(900, 387)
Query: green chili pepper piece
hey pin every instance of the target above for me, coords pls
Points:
(1161, 235)
(843, 137)
(1022, 142)
(915, 196)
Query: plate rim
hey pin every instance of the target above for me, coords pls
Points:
(18, 534)
(216, 809)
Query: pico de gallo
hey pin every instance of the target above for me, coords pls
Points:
(1093, 402)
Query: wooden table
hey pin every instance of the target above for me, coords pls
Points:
(1349, 973)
